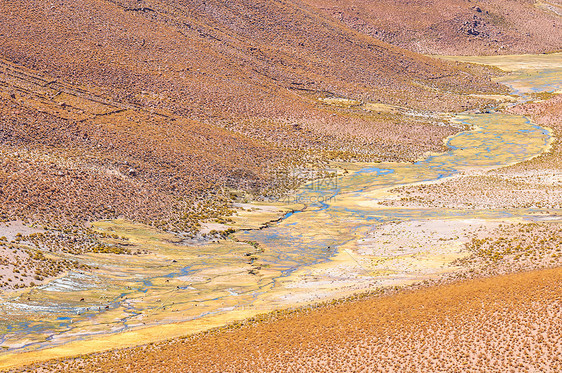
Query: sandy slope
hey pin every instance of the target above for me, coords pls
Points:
(492, 325)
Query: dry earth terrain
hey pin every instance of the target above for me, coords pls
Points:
(153, 111)
(166, 112)
(163, 103)
(454, 27)
(499, 313)
(501, 324)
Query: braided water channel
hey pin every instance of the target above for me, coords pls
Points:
(321, 252)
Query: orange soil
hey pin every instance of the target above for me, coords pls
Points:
(500, 324)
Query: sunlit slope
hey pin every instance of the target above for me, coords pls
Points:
(484, 325)
(455, 26)
(159, 100)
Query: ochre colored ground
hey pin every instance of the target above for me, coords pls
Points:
(499, 324)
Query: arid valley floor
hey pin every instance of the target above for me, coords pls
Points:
(268, 186)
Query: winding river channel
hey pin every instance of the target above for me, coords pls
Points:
(345, 241)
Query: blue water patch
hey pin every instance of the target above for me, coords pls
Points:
(376, 171)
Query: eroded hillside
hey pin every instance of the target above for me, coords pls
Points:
(141, 109)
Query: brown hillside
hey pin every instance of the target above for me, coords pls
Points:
(138, 108)
(453, 27)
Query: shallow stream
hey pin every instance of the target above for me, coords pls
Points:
(297, 257)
